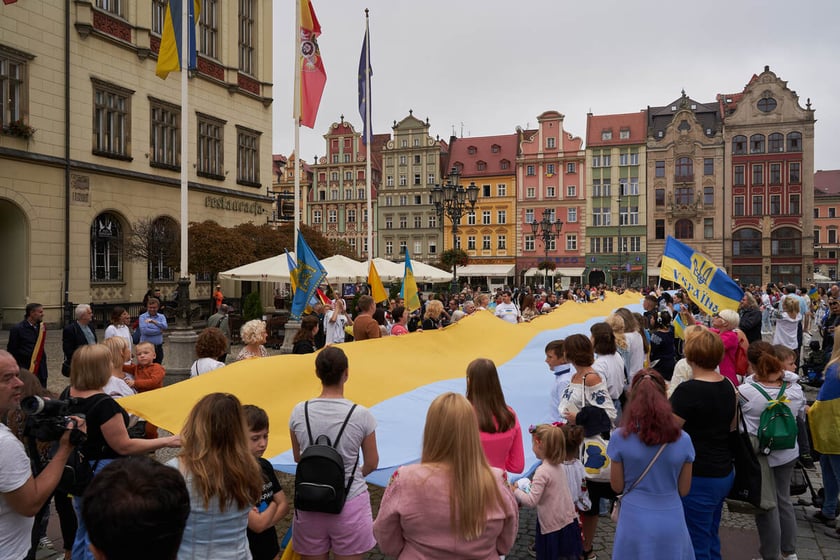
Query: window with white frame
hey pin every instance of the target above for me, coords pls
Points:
(348, 194)
(571, 191)
(501, 189)
(550, 142)
(622, 187)
(485, 242)
(571, 242)
(247, 156)
(552, 244)
(457, 241)
(430, 179)
(623, 159)
(418, 247)
(403, 245)
(606, 188)
(403, 160)
(247, 30)
(549, 169)
(530, 244)
(634, 186)
(530, 170)
(501, 217)
(634, 158)
(634, 216)
(432, 247)
(596, 188)
(624, 134)
(596, 160)
(403, 222)
(389, 181)
(114, 7)
(605, 161)
(485, 217)
(471, 218)
(334, 176)
(529, 215)
(158, 15)
(208, 28)
(334, 194)
(352, 243)
(210, 147)
(111, 120)
(106, 249)
(418, 222)
(502, 242)
(571, 215)
(351, 215)
(316, 216)
(571, 168)
(389, 222)
(403, 181)
(471, 243)
(416, 178)
(634, 244)
(165, 141)
(403, 200)
(332, 216)
(550, 192)
(530, 192)
(348, 175)
(360, 194)
(432, 221)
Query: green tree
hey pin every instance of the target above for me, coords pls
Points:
(155, 241)
(214, 248)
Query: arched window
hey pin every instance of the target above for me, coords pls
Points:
(746, 242)
(757, 144)
(684, 169)
(739, 145)
(775, 143)
(106, 243)
(786, 242)
(684, 229)
(164, 249)
(794, 142)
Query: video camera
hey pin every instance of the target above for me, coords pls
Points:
(50, 418)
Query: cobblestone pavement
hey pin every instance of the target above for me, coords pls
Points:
(738, 533)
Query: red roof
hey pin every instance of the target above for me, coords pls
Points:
(596, 125)
(482, 156)
(827, 183)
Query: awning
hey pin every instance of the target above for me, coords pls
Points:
(821, 277)
(534, 271)
(494, 270)
(573, 272)
(654, 271)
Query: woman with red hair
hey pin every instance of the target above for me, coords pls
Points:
(651, 465)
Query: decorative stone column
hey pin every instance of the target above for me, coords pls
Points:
(180, 352)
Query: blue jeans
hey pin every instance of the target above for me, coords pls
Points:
(81, 546)
(703, 506)
(830, 466)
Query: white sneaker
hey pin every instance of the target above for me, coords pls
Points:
(45, 542)
(790, 557)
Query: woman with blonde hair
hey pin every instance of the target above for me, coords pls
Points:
(636, 352)
(253, 335)
(120, 384)
(452, 504)
(432, 319)
(223, 478)
(788, 324)
(724, 323)
(499, 430)
(107, 432)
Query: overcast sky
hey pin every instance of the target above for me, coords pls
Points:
(489, 65)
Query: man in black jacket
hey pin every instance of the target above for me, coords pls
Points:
(750, 321)
(27, 341)
(78, 333)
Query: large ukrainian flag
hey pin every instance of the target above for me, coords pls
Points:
(169, 55)
(706, 284)
(824, 415)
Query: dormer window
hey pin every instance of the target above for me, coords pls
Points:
(606, 135)
(495, 148)
(481, 166)
(624, 134)
(472, 150)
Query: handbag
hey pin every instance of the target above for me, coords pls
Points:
(754, 487)
(617, 503)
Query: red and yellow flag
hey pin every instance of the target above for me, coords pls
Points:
(313, 76)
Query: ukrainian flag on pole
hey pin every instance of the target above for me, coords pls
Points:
(310, 274)
(409, 291)
(706, 284)
(169, 55)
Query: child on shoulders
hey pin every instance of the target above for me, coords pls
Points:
(147, 376)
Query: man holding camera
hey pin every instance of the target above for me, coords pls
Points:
(21, 494)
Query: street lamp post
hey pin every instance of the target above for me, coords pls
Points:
(548, 230)
(453, 200)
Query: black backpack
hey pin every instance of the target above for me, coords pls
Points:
(319, 477)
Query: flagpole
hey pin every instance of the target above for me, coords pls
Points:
(185, 64)
(368, 135)
(296, 111)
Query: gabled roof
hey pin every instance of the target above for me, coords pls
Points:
(507, 147)
(827, 183)
(707, 114)
(635, 123)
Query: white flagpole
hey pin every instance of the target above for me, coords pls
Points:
(185, 119)
(368, 135)
(296, 111)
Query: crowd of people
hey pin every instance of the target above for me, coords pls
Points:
(642, 422)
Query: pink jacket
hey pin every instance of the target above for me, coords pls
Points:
(413, 520)
(550, 495)
(504, 450)
(730, 347)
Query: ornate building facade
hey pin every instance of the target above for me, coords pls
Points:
(90, 142)
(770, 161)
(411, 167)
(826, 225)
(550, 177)
(616, 199)
(685, 175)
(282, 189)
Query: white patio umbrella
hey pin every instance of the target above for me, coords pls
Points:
(272, 269)
(344, 270)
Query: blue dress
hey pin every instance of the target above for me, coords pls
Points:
(651, 523)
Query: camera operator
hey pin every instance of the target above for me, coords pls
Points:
(21, 494)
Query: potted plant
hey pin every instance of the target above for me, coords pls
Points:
(20, 129)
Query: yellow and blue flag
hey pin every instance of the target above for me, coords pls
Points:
(706, 284)
(824, 414)
(377, 290)
(409, 292)
(293, 271)
(169, 55)
(310, 274)
(679, 326)
(814, 295)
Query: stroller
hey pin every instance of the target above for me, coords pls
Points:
(811, 370)
(800, 482)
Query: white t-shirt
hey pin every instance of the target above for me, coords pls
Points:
(325, 418)
(611, 369)
(203, 365)
(117, 388)
(334, 331)
(635, 353)
(15, 529)
(508, 312)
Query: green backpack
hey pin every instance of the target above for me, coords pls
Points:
(777, 424)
